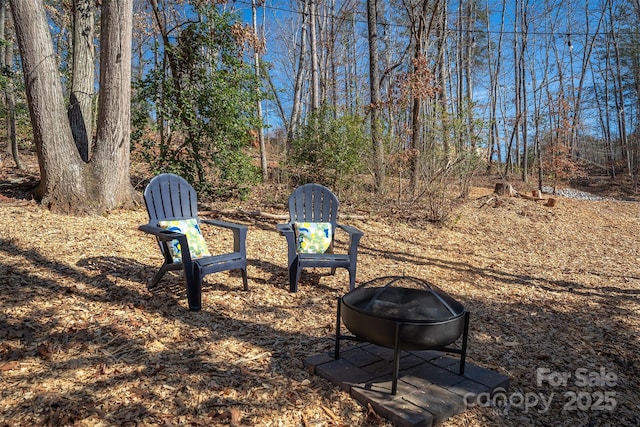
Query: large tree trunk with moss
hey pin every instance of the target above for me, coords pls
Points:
(67, 182)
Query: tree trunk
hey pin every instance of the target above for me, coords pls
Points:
(420, 34)
(112, 159)
(619, 100)
(67, 183)
(493, 151)
(256, 58)
(60, 164)
(6, 58)
(296, 108)
(513, 157)
(590, 39)
(315, 72)
(522, 73)
(470, 19)
(81, 98)
(442, 77)
(376, 101)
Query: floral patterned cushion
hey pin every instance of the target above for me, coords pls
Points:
(189, 227)
(313, 237)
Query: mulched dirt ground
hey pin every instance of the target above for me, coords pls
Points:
(83, 341)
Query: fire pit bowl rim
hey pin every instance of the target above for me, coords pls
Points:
(416, 334)
(457, 311)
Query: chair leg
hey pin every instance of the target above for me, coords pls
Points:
(158, 275)
(352, 279)
(194, 290)
(245, 281)
(294, 277)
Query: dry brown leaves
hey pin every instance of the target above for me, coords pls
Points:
(84, 342)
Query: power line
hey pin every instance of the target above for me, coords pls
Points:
(559, 34)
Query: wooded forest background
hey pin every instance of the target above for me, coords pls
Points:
(228, 93)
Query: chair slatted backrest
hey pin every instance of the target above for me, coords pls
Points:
(313, 203)
(169, 196)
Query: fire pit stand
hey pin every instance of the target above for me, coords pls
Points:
(403, 313)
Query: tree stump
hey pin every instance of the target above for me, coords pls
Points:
(505, 189)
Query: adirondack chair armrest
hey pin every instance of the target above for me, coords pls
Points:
(224, 224)
(162, 233)
(239, 233)
(283, 229)
(288, 232)
(351, 230)
(354, 236)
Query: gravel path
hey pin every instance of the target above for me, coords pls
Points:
(572, 193)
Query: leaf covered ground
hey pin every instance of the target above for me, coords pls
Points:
(83, 341)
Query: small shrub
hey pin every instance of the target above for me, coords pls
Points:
(445, 181)
(329, 148)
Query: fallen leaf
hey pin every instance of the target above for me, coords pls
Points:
(9, 366)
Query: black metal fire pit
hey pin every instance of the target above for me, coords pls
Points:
(403, 313)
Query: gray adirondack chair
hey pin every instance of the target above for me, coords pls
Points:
(316, 203)
(171, 197)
